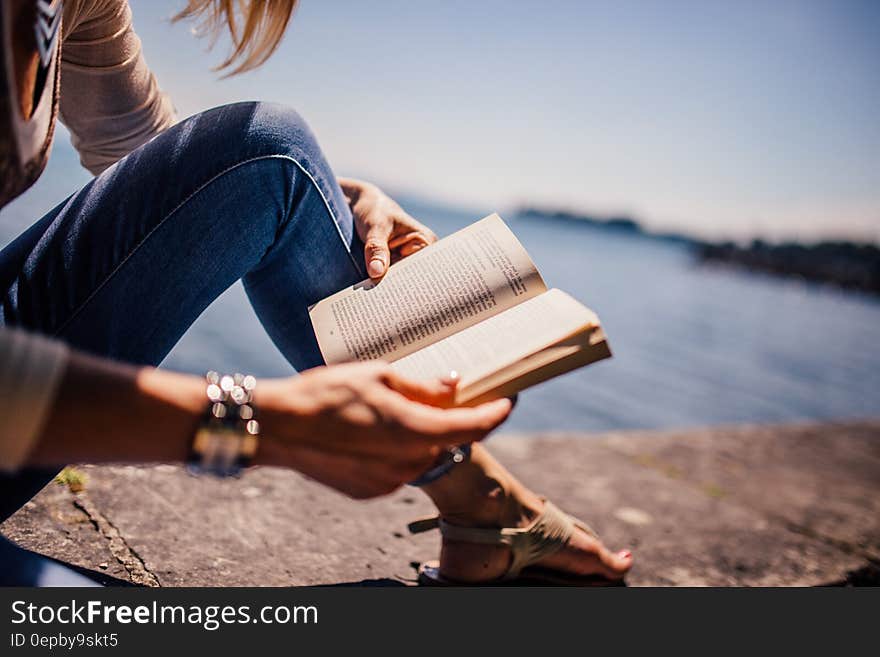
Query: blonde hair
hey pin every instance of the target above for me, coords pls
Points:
(256, 28)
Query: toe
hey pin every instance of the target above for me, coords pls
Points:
(615, 564)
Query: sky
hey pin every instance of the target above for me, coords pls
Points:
(724, 119)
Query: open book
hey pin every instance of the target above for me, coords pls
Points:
(473, 302)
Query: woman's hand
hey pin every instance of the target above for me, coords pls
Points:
(388, 232)
(363, 429)
(360, 428)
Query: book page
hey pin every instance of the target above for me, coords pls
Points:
(482, 350)
(459, 281)
(581, 349)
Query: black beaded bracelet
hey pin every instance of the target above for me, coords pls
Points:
(447, 461)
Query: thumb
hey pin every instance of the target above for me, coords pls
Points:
(376, 252)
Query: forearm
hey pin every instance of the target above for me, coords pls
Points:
(111, 412)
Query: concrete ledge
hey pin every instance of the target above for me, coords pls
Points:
(763, 505)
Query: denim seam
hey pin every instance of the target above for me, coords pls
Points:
(326, 206)
(200, 189)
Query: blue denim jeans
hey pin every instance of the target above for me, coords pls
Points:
(124, 266)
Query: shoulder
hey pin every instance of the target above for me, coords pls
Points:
(94, 18)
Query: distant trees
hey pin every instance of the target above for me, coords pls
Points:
(847, 264)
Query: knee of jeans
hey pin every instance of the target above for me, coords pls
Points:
(277, 129)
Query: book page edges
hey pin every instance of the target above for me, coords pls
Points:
(587, 328)
(577, 351)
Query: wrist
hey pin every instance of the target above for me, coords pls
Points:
(284, 414)
(182, 397)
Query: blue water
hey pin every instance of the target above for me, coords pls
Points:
(693, 345)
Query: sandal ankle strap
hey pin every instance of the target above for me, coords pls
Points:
(549, 532)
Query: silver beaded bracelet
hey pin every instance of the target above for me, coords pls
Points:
(227, 438)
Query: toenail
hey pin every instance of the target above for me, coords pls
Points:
(624, 554)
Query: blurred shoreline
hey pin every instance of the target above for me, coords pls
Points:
(846, 264)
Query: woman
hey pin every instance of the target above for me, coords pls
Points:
(98, 291)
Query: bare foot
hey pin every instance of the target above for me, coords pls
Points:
(481, 493)
(583, 555)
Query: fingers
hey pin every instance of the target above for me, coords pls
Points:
(477, 421)
(410, 241)
(419, 237)
(438, 392)
(407, 250)
(391, 236)
(377, 255)
(450, 426)
(432, 416)
(451, 378)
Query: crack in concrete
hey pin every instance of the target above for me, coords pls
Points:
(118, 546)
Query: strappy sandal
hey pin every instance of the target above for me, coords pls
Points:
(548, 533)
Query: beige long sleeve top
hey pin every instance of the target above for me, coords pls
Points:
(109, 99)
(112, 104)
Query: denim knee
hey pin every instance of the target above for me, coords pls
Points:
(274, 129)
(277, 132)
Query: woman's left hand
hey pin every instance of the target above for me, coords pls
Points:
(388, 232)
